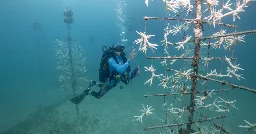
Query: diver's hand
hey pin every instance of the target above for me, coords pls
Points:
(132, 54)
(134, 72)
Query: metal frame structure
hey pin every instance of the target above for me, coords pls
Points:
(195, 76)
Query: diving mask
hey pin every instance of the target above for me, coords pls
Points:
(120, 48)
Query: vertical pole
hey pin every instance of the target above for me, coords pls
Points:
(71, 60)
(165, 108)
(39, 63)
(198, 35)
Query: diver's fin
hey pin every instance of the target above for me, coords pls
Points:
(76, 100)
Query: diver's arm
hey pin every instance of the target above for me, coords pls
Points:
(128, 69)
(119, 69)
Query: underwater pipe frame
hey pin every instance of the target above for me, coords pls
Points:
(185, 123)
(175, 57)
(194, 77)
(202, 115)
(185, 93)
(179, 19)
(227, 83)
(198, 28)
(71, 61)
(216, 125)
(230, 34)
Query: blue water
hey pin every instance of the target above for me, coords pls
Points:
(29, 78)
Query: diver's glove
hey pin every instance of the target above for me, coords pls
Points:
(128, 77)
(134, 72)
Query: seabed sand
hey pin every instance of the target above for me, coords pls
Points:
(57, 118)
(111, 114)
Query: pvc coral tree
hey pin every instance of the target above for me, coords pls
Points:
(211, 13)
(71, 62)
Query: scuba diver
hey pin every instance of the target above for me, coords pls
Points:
(114, 68)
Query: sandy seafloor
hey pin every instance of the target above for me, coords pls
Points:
(112, 114)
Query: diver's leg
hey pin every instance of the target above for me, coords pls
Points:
(92, 83)
(99, 84)
(77, 99)
(88, 89)
(103, 90)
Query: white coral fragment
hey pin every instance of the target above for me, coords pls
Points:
(145, 111)
(182, 43)
(235, 67)
(152, 70)
(143, 41)
(249, 126)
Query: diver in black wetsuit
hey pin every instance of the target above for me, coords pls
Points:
(114, 68)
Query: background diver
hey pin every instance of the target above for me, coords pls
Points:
(114, 67)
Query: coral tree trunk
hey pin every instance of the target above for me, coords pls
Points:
(198, 36)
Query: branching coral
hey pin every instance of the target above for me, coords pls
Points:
(152, 70)
(214, 16)
(174, 60)
(144, 44)
(215, 74)
(174, 5)
(221, 40)
(217, 15)
(249, 127)
(233, 72)
(228, 103)
(181, 74)
(182, 43)
(231, 40)
(145, 111)
(228, 40)
(227, 6)
(177, 28)
(199, 99)
(211, 4)
(239, 8)
(206, 130)
(216, 105)
(235, 67)
(164, 81)
(175, 82)
(146, 2)
(206, 60)
(177, 111)
(165, 41)
(164, 62)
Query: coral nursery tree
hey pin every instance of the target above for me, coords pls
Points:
(194, 49)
